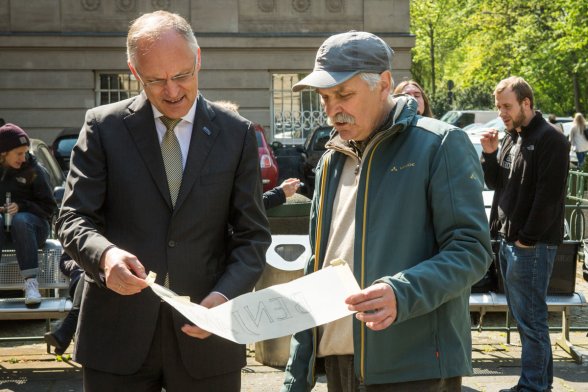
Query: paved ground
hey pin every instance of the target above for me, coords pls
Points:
(26, 367)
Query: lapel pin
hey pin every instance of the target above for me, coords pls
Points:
(206, 131)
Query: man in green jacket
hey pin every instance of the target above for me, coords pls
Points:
(399, 197)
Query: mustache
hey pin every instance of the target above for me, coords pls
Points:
(341, 118)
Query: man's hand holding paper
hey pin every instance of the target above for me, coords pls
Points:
(213, 299)
(375, 306)
(276, 311)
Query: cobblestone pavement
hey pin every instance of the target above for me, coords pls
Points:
(26, 367)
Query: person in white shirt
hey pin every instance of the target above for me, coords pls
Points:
(578, 138)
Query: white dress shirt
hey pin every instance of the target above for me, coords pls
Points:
(183, 130)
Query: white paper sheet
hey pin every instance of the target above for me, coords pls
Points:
(276, 311)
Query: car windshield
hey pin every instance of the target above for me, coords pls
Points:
(450, 117)
(65, 146)
(496, 123)
(480, 128)
(44, 157)
(317, 139)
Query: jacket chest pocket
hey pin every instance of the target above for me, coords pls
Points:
(524, 162)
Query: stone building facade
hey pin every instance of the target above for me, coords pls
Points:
(59, 58)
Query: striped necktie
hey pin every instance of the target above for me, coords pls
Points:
(172, 158)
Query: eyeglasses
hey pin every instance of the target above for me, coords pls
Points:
(160, 83)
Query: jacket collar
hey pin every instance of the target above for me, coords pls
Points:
(533, 124)
(204, 134)
(528, 129)
(141, 126)
(400, 117)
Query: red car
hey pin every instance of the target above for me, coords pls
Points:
(267, 161)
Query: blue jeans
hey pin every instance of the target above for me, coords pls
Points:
(28, 233)
(526, 274)
(580, 156)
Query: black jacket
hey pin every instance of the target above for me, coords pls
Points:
(117, 193)
(29, 188)
(529, 200)
(273, 198)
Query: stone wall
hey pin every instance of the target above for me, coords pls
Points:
(52, 50)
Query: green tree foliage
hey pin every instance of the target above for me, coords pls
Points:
(476, 43)
(436, 35)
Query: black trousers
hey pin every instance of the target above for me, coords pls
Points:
(341, 378)
(163, 368)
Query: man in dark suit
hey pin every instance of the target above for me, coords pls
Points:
(123, 215)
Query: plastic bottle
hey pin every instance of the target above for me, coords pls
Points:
(7, 216)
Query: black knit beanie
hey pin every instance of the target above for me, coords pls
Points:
(11, 137)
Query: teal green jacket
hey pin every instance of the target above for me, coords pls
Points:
(421, 227)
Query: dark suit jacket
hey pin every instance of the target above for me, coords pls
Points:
(117, 193)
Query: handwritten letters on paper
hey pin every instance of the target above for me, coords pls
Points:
(273, 312)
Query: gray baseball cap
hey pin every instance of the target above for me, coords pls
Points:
(345, 55)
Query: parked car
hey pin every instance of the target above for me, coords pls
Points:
(63, 145)
(267, 161)
(567, 127)
(56, 177)
(487, 194)
(463, 118)
(477, 129)
(311, 151)
(65, 141)
(472, 128)
(559, 119)
(497, 123)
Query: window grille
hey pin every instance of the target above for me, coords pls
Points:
(294, 114)
(114, 87)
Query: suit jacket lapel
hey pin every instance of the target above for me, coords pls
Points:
(141, 126)
(204, 134)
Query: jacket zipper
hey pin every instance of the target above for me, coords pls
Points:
(321, 206)
(369, 149)
(369, 154)
(317, 248)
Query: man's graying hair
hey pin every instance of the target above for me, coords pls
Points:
(372, 80)
(152, 26)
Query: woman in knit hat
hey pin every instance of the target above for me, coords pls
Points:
(25, 216)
